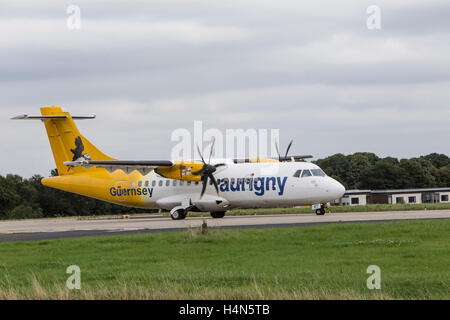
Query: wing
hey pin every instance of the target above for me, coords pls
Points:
(282, 159)
(144, 167)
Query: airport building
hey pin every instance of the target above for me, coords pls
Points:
(363, 197)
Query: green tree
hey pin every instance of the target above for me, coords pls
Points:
(25, 211)
(357, 163)
(418, 173)
(385, 174)
(437, 160)
(8, 197)
(442, 177)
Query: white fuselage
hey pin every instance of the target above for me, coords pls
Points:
(246, 185)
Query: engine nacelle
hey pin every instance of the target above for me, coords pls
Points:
(182, 170)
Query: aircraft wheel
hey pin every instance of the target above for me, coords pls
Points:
(320, 212)
(178, 214)
(217, 215)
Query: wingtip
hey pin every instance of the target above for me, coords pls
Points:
(19, 117)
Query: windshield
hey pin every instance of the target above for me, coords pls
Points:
(318, 173)
(306, 173)
(297, 173)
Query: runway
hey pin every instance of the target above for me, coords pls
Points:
(44, 229)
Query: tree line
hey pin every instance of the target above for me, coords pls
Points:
(365, 170)
(28, 198)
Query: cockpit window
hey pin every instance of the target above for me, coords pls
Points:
(297, 173)
(318, 173)
(306, 173)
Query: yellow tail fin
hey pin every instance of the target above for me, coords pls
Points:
(66, 141)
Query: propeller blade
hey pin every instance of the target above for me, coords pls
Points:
(200, 153)
(214, 181)
(205, 183)
(289, 147)
(212, 149)
(219, 165)
(278, 151)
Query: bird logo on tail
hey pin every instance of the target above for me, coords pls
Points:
(78, 150)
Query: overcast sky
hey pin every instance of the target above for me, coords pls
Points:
(145, 68)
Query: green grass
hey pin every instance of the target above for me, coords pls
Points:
(322, 262)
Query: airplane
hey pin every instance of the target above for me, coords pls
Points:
(180, 186)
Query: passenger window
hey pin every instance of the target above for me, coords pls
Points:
(181, 183)
(318, 173)
(146, 183)
(167, 183)
(297, 173)
(160, 183)
(174, 183)
(232, 180)
(225, 180)
(306, 173)
(196, 183)
(153, 183)
(189, 183)
(140, 184)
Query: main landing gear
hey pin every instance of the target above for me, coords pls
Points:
(321, 210)
(218, 214)
(178, 214)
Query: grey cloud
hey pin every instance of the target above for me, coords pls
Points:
(146, 68)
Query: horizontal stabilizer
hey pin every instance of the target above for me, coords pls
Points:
(45, 118)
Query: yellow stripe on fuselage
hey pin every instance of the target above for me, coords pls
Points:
(102, 185)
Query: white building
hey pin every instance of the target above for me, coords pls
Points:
(363, 197)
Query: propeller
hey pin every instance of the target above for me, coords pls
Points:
(207, 171)
(287, 150)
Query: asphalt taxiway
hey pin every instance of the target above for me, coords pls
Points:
(44, 229)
